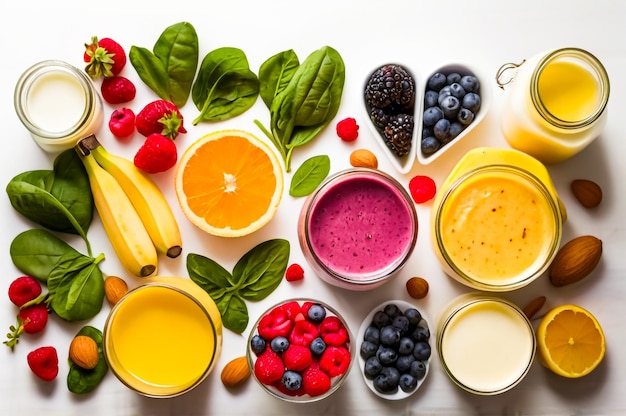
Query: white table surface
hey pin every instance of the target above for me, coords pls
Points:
(421, 34)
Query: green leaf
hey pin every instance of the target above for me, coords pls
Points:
(259, 272)
(309, 175)
(80, 380)
(275, 74)
(208, 274)
(234, 312)
(151, 70)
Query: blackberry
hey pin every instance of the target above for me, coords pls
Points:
(390, 84)
(399, 133)
(379, 117)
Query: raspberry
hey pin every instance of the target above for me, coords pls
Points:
(157, 154)
(294, 272)
(292, 309)
(24, 289)
(348, 130)
(122, 122)
(117, 90)
(303, 333)
(297, 357)
(44, 363)
(34, 318)
(422, 189)
(315, 382)
(268, 367)
(275, 324)
(335, 360)
(333, 332)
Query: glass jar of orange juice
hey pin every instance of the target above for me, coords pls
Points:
(556, 103)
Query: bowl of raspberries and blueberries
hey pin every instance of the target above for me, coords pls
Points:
(394, 349)
(300, 350)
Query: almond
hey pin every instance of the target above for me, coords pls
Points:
(534, 306)
(114, 289)
(235, 372)
(417, 287)
(363, 158)
(84, 352)
(575, 260)
(587, 192)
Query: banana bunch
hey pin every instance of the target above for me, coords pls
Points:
(135, 215)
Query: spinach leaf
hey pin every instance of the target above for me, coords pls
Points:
(275, 74)
(58, 199)
(80, 380)
(225, 86)
(170, 68)
(254, 277)
(309, 175)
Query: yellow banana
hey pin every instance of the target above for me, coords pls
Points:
(148, 200)
(122, 224)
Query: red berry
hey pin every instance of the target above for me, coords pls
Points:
(44, 362)
(34, 318)
(333, 332)
(160, 116)
(117, 90)
(422, 189)
(315, 382)
(348, 130)
(104, 57)
(291, 308)
(268, 367)
(294, 272)
(303, 333)
(122, 122)
(334, 360)
(297, 357)
(274, 324)
(157, 154)
(24, 289)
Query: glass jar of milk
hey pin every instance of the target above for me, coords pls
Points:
(555, 104)
(58, 104)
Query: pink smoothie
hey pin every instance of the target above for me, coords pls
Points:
(362, 227)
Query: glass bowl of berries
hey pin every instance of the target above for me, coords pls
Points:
(300, 350)
(394, 349)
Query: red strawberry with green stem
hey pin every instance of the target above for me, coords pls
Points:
(104, 57)
(157, 154)
(24, 289)
(44, 362)
(31, 320)
(160, 116)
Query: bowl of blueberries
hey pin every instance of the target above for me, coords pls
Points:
(394, 349)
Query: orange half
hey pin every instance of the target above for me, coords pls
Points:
(229, 183)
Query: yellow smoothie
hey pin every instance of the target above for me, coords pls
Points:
(160, 341)
(486, 346)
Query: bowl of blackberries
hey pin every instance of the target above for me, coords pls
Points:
(394, 349)
(300, 350)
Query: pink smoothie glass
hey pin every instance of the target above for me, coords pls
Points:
(358, 228)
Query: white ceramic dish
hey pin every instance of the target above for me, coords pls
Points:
(403, 305)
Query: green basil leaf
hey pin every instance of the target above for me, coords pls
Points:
(275, 74)
(151, 70)
(234, 313)
(208, 274)
(309, 175)
(37, 252)
(80, 380)
(259, 272)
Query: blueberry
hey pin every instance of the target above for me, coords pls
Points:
(445, 92)
(279, 344)
(407, 382)
(431, 116)
(401, 322)
(257, 343)
(316, 313)
(372, 367)
(441, 129)
(386, 355)
(389, 335)
(453, 77)
(420, 334)
(414, 316)
(368, 349)
(418, 369)
(457, 90)
(430, 145)
(403, 363)
(471, 101)
(436, 81)
(422, 350)
(450, 107)
(387, 381)
(426, 132)
(392, 310)
(470, 83)
(318, 346)
(372, 334)
(380, 319)
(455, 129)
(405, 346)
(431, 98)
(465, 116)
(292, 380)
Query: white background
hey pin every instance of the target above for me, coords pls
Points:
(421, 34)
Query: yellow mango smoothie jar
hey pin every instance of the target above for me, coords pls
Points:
(164, 337)
(555, 104)
(486, 345)
(497, 220)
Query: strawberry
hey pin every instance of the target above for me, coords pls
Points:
(303, 333)
(268, 367)
(157, 154)
(275, 324)
(333, 332)
(24, 289)
(297, 357)
(160, 116)
(422, 188)
(31, 319)
(315, 382)
(44, 362)
(122, 122)
(117, 90)
(104, 57)
(334, 360)
(294, 272)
